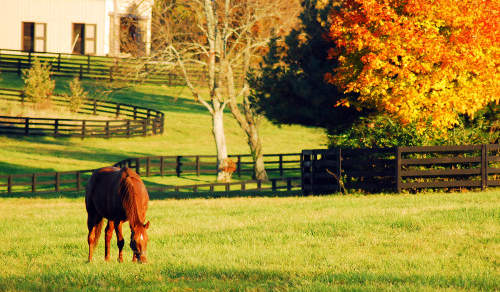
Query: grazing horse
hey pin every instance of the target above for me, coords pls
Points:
(118, 195)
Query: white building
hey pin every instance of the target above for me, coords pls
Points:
(91, 27)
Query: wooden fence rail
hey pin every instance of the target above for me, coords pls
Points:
(400, 168)
(287, 164)
(101, 67)
(129, 120)
(284, 164)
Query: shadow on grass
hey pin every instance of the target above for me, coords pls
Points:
(160, 195)
(190, 277)
(128, 94)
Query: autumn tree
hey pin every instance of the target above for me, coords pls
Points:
(221, 39)
(421, 61)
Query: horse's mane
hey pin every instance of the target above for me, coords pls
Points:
(131, 189)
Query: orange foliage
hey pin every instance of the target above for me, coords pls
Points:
(422, 61)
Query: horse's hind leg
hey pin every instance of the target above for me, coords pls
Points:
(94, 224)
(108, 235)
(119, 239)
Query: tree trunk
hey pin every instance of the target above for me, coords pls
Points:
(248, 121)
(255, 144)
(220, 144)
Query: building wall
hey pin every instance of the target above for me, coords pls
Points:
(59, 16)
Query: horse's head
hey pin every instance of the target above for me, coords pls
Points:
(139, 242)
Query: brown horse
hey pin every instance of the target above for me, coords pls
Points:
(118, 195)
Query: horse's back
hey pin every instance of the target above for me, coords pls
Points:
(103, 194)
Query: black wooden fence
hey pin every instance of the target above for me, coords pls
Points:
(400, 168)
(281, 164)
(286, 165)
(101, 67)
(129, 120)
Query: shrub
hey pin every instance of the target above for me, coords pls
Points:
(377, 131)
(38, 86)
(77, 95)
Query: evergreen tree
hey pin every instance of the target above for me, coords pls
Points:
(290, 87)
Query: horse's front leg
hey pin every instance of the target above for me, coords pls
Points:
(119, 240)
(109, 234)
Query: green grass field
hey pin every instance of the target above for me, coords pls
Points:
(187, 132)
(423, 242)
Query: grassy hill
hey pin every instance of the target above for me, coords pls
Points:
(428, 242)
(187, 132)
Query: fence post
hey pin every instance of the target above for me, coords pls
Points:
(178, 165)
(56, 127)
(80, 76)
(484, 166)
(108, 134)
(29, 59)
(138, 166)
(148, 166)
(145, 127)
(288, 184)
(33, 183)
(128, 128)
(339, 166)
(110, 74)
(83, 129)
(398, 169)
(59, 62)
(162, 123)
(78, 181)
(88, 64)
(9, 184)
(161, 165)
(58, 181)
(27, 126)
(259, 185)
(273, 185)
(19, 67)
(198, 165)
(281, 165)
(238, 165)
(95, 107)
(135, 113)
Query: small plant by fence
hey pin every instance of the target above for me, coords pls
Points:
(400, 168)
(129, 120)
(100, 67)
(286, 165)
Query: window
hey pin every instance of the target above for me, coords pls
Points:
(34, 37)
(90, 39)
(84, 39)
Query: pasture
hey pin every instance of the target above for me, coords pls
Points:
(423, 242)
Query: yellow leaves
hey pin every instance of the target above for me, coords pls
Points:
(437, 60)
(343, 102)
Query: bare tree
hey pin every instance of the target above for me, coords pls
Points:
(218, 41)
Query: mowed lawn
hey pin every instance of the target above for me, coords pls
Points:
(376, 242)
(187, 132)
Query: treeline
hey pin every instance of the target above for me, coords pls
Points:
(381, 75)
